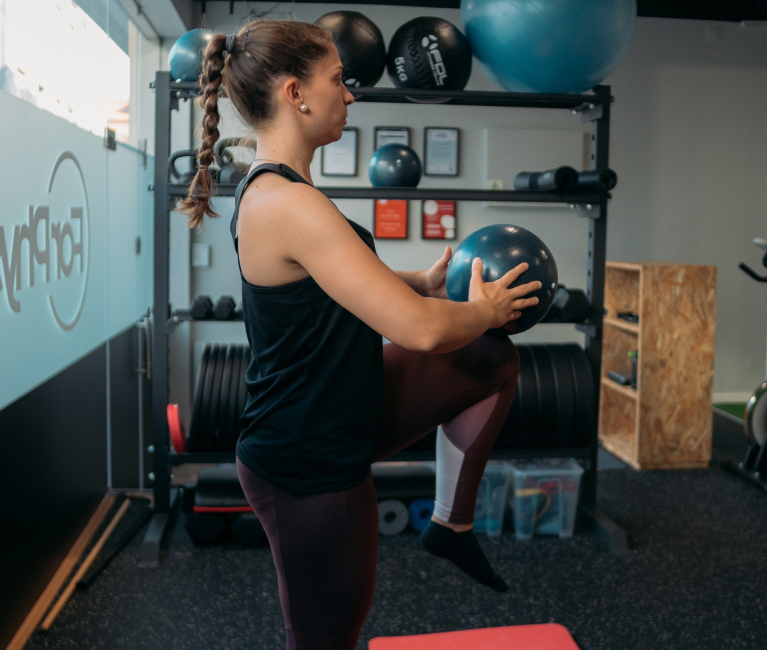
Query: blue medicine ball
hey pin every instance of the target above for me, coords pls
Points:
(187, 54)
(502, 248)
(394, 165)
(548, 46)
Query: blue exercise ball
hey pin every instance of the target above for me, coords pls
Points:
(394, 165)
(187, 54)
(548, 46)
(502, 248)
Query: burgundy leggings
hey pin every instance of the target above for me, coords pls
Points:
(325, 546)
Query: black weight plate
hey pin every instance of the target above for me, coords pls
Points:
(215, 399)
(207, 393)
(194, 427)
(584, 395)
(233, 426)
(222, 432)
(563, 380)
(547, 397)
(241, 402)
(528, 400)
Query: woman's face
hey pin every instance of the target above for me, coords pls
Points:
(328, 98)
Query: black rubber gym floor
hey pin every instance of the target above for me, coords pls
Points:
(694, 578)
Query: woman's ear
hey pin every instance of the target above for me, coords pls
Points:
(292, 91)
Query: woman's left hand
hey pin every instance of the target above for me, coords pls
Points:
(435, 276)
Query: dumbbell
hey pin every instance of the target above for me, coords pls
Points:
(201, 308)
(247, 529)
(224, 308)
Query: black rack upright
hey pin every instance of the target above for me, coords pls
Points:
(592, 107)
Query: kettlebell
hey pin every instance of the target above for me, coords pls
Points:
(232, 171)
(184, 178)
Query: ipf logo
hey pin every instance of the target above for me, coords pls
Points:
(61, 247)
(431, 45)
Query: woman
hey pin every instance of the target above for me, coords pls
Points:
(325, 397)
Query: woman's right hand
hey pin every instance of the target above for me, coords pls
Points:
(506, 303)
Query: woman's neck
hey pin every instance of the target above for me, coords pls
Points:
(284, 147)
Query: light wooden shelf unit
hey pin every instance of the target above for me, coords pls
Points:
(666, 422)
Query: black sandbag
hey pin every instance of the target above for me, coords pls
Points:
(561, 178)
(601, 180)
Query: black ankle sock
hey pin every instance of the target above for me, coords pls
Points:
(463, 550)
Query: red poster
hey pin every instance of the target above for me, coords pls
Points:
(390, 219)
(439, 220)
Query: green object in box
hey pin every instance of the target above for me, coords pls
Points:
(545, 496)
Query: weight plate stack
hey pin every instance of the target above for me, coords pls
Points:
(232, 425)
(565, 393)
(207, 397)
(584, 394)
(194, 427)
(216, 399)
(547, 396)
(222, 432)
(527, 393)
(243, 389)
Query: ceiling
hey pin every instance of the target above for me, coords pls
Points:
(719, 10)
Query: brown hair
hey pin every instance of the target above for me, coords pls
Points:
(263, 52)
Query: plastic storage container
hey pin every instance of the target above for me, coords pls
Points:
(545, 496)
(491, 498)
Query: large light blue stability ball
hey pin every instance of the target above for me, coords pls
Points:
(187, 54)
(548, 46)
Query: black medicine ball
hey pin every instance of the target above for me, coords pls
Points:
(360, 45)
(429, 53)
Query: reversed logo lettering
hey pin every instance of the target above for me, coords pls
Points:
(66, 241)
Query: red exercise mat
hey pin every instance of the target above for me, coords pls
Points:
(547, 636)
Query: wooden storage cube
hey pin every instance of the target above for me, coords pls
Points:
(675, 340)
(616, 345)
(618, 423)
(622, 289)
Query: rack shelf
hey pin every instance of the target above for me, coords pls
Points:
(622, 325)
(591, 108)
(582, 103)
(623, 390)
(418, 194)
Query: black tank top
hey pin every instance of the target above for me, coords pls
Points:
(315, 380)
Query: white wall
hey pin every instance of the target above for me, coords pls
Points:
(687, 142)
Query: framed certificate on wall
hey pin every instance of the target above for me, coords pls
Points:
(340, 158)
(390, 219)
(440, 152)
(391, 134)
(438, 220)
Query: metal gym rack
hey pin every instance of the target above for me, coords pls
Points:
(593, 108)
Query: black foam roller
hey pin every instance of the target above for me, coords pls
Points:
(601, 180)
(559, 179)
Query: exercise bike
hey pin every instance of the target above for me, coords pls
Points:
(754, 467)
